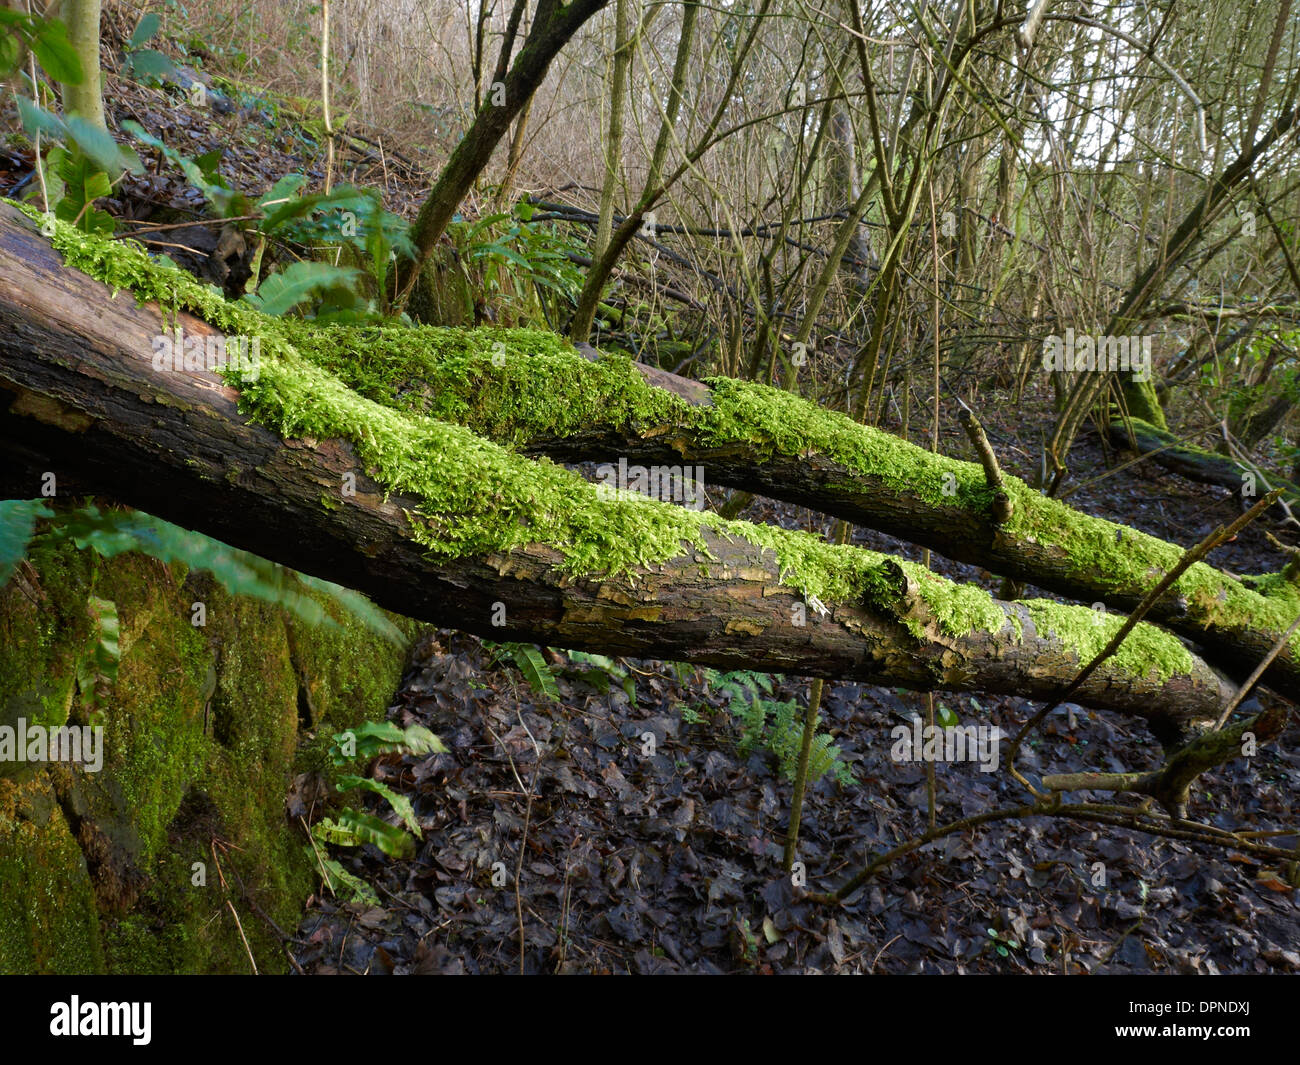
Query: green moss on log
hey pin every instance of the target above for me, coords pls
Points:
(520, 384)
(1147, 651)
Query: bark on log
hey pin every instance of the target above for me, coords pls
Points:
(80, 397)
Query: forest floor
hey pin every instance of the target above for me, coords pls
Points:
(671, 861)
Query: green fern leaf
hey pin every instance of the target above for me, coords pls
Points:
(400, 803)
(354, 828)
(535, 670)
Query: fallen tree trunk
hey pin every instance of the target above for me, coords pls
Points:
(1167, 451)
(528, 390)
(493, 542)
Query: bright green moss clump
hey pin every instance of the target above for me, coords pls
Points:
(1147, 649)
(519, 385)
(959, 608)
(513, 385)
(478, 497)
(1120, 556)
(782, 423)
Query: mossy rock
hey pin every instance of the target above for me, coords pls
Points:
(42, 625)
(48, 920)
(122, 870)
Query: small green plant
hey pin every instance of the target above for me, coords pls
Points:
(48, 40)
(353, 827)
(82, 183)
(345, 221)
(80, 167)
(775, 726)
(98, 661)
(146, 64)
(1001, 942)
(529, 661)
(201, 173)
(744, 943)
(83, 160)
(602, 673)
(347, 218)
(527, 267)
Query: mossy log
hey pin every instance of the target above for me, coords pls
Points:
(1166, 450)
(439, 524)
(528, 390)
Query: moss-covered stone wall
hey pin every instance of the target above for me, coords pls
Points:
(144, 865)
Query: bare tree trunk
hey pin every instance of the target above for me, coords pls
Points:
(603, 263)
(614, 137)
(86, 99)
(1140, 396)
(554, 24)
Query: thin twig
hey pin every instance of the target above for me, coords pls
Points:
(238, 924)
(152, 227)
(528, 810)
(1098, 813)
